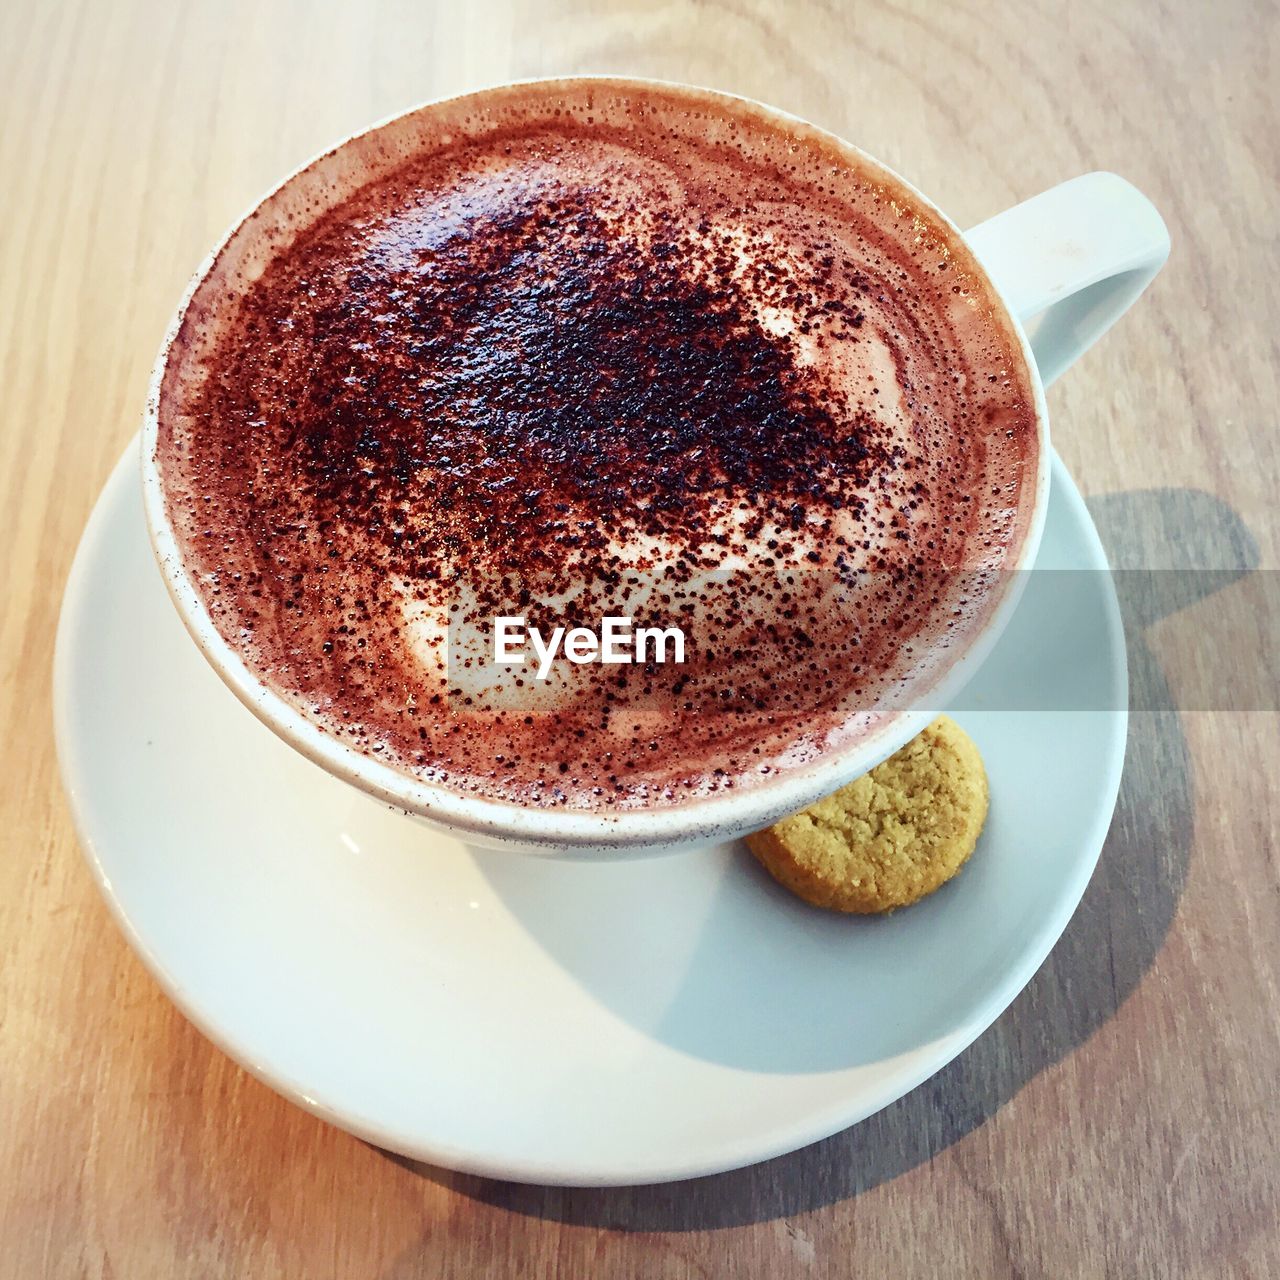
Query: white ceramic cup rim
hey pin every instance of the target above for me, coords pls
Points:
(719, 816)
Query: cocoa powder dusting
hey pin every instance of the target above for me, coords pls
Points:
(577, 366)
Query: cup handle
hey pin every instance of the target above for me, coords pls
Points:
(1073, 259)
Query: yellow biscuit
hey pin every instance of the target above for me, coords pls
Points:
(890, 837)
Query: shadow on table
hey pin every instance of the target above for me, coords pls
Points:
(1110, 943)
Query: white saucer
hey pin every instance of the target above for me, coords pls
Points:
(545, 1020)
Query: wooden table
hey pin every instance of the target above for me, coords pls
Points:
(1122, 1118)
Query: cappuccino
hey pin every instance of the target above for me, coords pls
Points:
(587, 351)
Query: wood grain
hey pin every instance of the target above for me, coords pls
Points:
(1122, 1118)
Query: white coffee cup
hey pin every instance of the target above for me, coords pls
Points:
(1072, 259)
